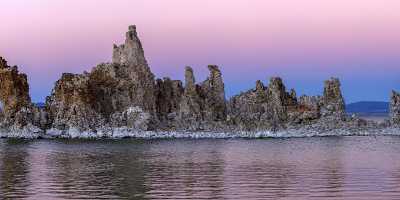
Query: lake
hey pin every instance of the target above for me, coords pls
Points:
(363, 167)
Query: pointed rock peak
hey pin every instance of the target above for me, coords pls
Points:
(215, 75)
(189, 76)
(332, 90)
(395, 107)
(333, 100)
(275, 80)
(12, 69)
(276, 83)
(293, 93)
(213, 68)
(259, 86)
(3, 63)
(131, 52)
(14, 88)
(189, 80)
(131, 32)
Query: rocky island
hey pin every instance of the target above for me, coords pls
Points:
(124, 99)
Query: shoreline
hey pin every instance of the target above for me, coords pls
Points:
(131, 134)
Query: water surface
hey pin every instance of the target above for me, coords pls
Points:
(298, 168)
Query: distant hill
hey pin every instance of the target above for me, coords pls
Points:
(40, 104)
(368, 107)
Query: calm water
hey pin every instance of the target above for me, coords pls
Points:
(298, 168)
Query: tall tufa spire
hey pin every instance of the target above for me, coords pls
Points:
(131, 52)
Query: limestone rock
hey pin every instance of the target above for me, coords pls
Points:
(71, 104)
(333, 102)
(213, 92)
(310, 107)
(133, 118)
(92, 101)
(168, 98)
(124, 96)
(203, 105)
(15, 102)
(273, 108)
(246, 109)
(133, 67)
(190, 110)
(118, 87)
(395, 108)
(14, 90)
(278, 101)
(131, 52)
(264, 108)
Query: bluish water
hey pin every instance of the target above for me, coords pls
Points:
(297, 168)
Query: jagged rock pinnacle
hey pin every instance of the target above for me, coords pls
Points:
(333, 100)
(3, 63)
(131, 52)
(213, 90)
(395, 108)
(14, 95)
(190, 81)
(124, 97)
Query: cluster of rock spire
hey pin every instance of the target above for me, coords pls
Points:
(124, 94)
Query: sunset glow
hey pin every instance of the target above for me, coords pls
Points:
(304, 41)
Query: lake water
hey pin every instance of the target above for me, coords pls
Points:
(297, 168)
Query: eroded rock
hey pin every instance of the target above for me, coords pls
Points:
(333, 102)
(213, 92)
(72, 104)
(131, 52)
(15, 103)
(273, 108)
(168, 98)
(123, 97)
(92, 101)
(395, 108)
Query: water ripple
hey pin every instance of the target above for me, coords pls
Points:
(295, 168)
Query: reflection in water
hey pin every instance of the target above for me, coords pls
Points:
(185, 169)
(13, 168)
(298, 168)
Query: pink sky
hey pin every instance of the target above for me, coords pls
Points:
(304, 41)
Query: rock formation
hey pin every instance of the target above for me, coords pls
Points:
(105, 96)
(17, 113)
(72, 104)
(272, 107)
(395, 108)
(15, 103)
(124, 97)
(14, 90)
(190, 110)
(333, 102)
(213, 92)
(168, 98)
(196, 106)
(131, 52)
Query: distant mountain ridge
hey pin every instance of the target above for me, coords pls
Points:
(368, 107)
(40, 104)
(357, 107)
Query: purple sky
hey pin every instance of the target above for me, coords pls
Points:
(304, 41)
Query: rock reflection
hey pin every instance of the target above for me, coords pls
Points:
(329, 174)
(100, 170)
(14, 168)
(296, 168)
(191, 171)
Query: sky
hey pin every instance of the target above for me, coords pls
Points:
(303, 41)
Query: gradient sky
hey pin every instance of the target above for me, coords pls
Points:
(304, 41)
